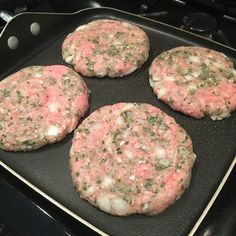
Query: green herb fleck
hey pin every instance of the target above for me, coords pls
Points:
(85, 186)
(95, 40)
(29, 144)
(113, 50)
(184, 72)
(119, 34)
(51, 81)
(160, 167)
(118, 150)
(181, 53)
(115, 134)
(207, 77)
(19, 96)
(192, 91)
(103, 160)
(96, 51)
(148, 184)
(230, 75)
(77, 174)
(90, 64)
(29, 118)
(5, 92)
(126, 115)
(169, 60)
(86, 130)
(162, 185)
(158, 121)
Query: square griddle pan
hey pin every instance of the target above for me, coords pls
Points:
(47, 170)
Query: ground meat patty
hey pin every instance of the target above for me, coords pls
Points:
(196, 81)
(131, 159)
(40, 105)
(106, 47)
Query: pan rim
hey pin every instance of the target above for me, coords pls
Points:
(117, 10)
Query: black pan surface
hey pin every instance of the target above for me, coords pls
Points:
(47, 168)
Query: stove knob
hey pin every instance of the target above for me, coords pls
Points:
(200, 23)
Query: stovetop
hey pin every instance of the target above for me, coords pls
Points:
(23, 212)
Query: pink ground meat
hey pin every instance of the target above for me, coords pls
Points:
(106, 47)
(196, 81)
(130, 158)
(40, 105)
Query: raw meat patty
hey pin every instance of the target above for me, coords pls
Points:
(40, 105)
(196, 81)
(106, 47)
(131, 159)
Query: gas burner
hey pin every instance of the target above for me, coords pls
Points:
(205, 25)
(200, 23)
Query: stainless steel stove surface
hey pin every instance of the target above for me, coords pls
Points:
(23, 212)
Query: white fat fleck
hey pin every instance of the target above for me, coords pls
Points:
(126, 133)
(82, 27)
(145, 206)
(192, 87)
(144, 148)
(194, 59)
(126, 24)
(90, 190)
(170, 78)
(132, 177)
(69, 59)
(66, 77)
(39, 74)
(160, 152)
(128, 153)
(106, 181)
(207, 62)
(156, 78)
(78, 57)
(151, 82)
(53, 107)
(94, 127)
(119, 120)
(127, 106)
(108, 144)
(104, 203)
(164, 162)
(188, 77)
(120, 206)
(194, 156)
(234, 72)
(122, 142)
(52, 131)
(216, 116)
(188, 180)
(196, 73)
(184, 152)
(161, 92)
(157, 84)
(218, 65)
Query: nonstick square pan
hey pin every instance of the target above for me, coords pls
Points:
(47, 171)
